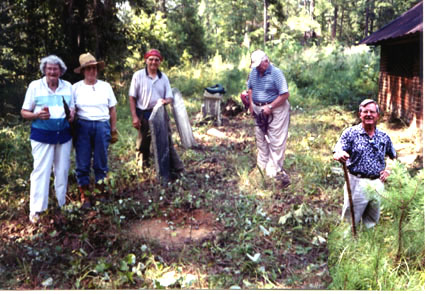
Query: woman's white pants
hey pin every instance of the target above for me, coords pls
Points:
(48, 157)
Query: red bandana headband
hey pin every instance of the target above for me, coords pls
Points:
(153, 52)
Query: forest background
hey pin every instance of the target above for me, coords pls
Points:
(185, 31)
(264, 237)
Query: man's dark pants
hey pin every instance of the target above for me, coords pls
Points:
(144, 137)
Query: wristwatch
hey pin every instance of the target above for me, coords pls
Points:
(270, 107)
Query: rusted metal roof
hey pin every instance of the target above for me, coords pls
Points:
(408, 23)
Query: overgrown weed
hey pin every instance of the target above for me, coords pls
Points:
(390, 256)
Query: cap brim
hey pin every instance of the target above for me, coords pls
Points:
(255, 64)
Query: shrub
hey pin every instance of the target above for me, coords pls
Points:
(389, 256)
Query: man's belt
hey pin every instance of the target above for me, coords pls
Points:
(144, 110)
(261, 103)
(365, 176)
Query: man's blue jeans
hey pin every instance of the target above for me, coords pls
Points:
(93, 139)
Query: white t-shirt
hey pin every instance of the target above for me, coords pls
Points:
(92, 102)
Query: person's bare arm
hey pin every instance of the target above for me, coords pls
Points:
(135, 120)
(166, 100)
(341, 156)
(249, 92)
(42, 114)
(113, 118)
(267, 109)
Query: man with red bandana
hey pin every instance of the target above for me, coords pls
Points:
(149, 86)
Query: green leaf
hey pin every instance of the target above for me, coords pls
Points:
(138, 269)
(264, 230)
(100, 268)
(284, 218)
(123, 266)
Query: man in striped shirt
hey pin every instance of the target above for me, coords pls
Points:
(268, 95)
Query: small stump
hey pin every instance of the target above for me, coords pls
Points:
(211, 106)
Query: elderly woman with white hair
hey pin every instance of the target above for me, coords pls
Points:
(50, 133)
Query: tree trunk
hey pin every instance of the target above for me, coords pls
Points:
(341, 22)
(372, 15)
(334, 27)
(73, 15)
(265, 21)
(367, 15)
(162, 7)
(312, 9)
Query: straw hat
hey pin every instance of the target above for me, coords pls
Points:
(87, 59)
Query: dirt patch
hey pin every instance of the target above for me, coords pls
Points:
(177, 229)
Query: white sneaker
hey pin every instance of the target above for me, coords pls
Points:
(34, 217)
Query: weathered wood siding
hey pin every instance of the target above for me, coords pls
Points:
(401, 82)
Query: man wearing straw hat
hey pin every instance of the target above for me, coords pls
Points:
(363, 148)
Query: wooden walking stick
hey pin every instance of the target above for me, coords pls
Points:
(351, 205)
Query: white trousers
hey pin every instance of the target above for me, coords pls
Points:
(270, 155)
(366, 200)
(46, 157)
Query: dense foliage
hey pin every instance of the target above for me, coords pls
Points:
(119, 32)
(331, 75)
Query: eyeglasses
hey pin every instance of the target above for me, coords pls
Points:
(368, 111)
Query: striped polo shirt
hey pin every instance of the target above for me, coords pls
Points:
(56, 129)
(147, 90)
(267, 87)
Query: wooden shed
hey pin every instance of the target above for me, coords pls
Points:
(401, 72)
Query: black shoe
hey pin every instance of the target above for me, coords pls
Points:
(86, 205)
(146, 164)
(283, 179)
